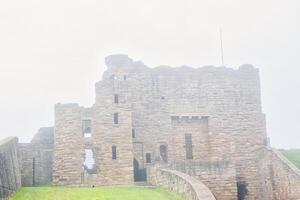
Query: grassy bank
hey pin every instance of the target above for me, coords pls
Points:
(98, 193)
(293, 155)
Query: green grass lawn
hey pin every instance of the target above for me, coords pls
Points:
(98, 193)
(293, 155)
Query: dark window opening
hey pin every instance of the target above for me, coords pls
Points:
(116, 118)
(114, 152)
(188, 146)
(89, 161)
(133, 133)
(87, 128)
(148, 157)
(82, 178)
(162, 97)
(125, 77)
(163, 153)
(242, 190)
(116, 99)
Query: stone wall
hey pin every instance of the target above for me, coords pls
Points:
(112, 129)
(218, 176)
(36, 158)
(10, 178)
(229, 98)
(68, 145)
(105, 135)
(188, 187)
(285, 177)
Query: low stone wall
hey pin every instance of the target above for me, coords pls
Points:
(218, 176)
(183, 184)
(285, 177)
(10, 178)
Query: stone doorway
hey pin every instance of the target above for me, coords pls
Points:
(242, 190)
(140, 174)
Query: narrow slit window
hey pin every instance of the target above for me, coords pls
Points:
(116, 118)
(133, 133)
(188, 146)
(163, 150)
(148, 157)
(116, 99)
(114, 152)
(87, 128)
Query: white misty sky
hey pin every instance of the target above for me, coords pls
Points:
(53, 51)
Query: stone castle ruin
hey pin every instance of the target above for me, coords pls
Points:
(152, 125)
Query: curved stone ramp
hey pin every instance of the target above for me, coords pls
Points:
(285, 176)
(186, 186)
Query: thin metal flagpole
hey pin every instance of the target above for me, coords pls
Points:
(221, 45)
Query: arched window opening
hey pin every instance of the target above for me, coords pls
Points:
(163, 153)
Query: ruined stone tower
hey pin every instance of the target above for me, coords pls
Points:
(206, 122)
(197, 131)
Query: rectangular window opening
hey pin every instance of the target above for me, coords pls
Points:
(87, 128)
(148, 157)
(133, 133)
(188, 146)
(116, 118)
(114, 152)
(116, 99)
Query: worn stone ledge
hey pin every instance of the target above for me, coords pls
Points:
(285, 176)
(183, 184)
(285, 161)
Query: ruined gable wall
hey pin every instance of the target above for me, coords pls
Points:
(41, 150)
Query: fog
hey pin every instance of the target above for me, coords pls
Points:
(53, 51)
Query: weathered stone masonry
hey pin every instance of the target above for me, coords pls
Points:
(204, 122)
(10, 179)
(36, 158)
(207, 119)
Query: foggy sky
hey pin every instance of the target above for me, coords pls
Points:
(53, 51)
